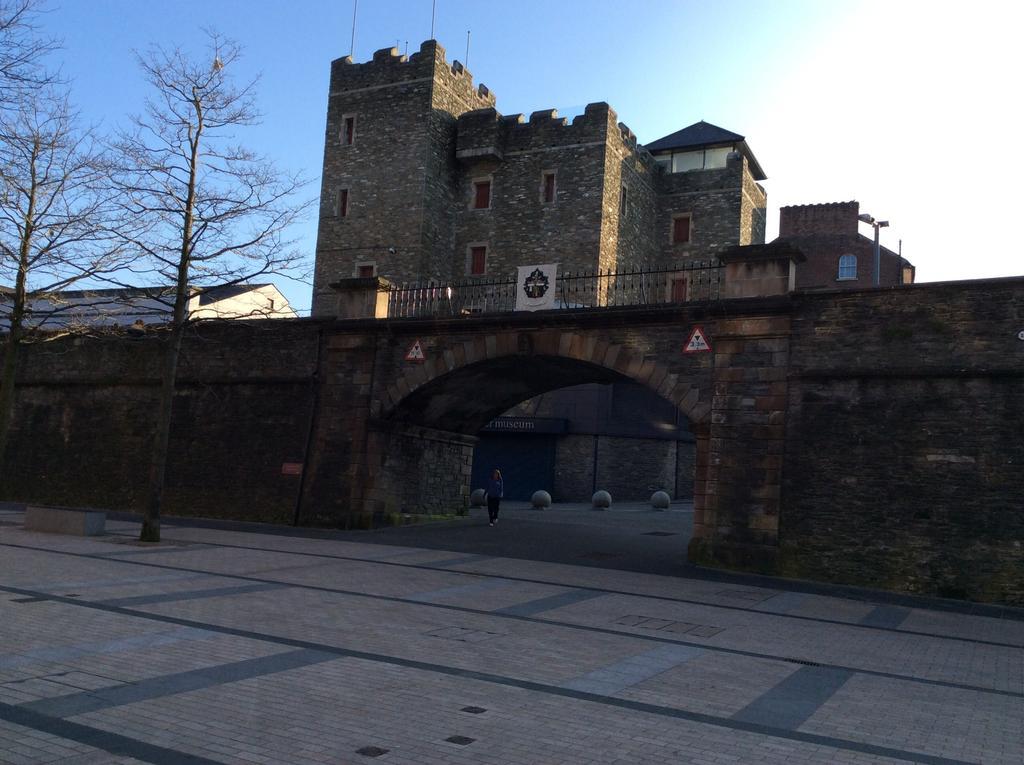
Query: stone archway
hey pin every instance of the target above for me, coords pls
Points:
(383, 417)
(616, 358)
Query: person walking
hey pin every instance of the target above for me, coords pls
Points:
(495, 491)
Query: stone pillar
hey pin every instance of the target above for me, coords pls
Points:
(759, 270)
(362, 298)
(739, 468)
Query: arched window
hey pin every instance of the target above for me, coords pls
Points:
(847, 267)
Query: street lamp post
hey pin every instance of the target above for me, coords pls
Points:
(876, 224)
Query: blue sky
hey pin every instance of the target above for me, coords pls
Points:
(900, 105)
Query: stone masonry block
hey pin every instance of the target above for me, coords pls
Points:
(753, 327)
(612, 355)
(564, 343)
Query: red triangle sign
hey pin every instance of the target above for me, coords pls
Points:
(415, 353)
(698, 342)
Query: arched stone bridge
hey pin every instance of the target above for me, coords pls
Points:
(832, 429)
(397, 435)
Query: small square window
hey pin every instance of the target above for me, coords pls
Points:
(481, 195)
(343, 200)
(547, 193)
(478, 260)
(366, 271)
(348, 130)
(680, 229)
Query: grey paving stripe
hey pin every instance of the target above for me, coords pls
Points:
(442, 563)
(153, 550)
(888, 617)
(551, 602)
(635, 669)
(182, 682)
(101, 647)
(792, 702)
(458, 590)
(552, 622)
(430, 566)
(213, 592)
(113, 743)
(122, 582)
(529, 685)
(782, 603)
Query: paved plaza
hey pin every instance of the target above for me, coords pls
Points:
(245, 645)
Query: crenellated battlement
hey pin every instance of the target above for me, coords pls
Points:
(388, 66)
(486, 132)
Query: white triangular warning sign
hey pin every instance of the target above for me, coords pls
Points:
(697, 342)
(415, 353)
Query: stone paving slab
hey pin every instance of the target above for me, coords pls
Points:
(250, 648)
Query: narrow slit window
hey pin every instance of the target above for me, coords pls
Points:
(477, 260)
(481, 195)
(343, 203)
(348, 131)
(623, 203)
(548, 188)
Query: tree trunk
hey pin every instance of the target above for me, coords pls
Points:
(17, 319)
(162, 437)
(10, 368)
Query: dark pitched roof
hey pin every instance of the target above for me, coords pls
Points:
(704, 135)
(698, 134)
(213, 294)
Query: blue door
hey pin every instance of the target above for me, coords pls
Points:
(527, 463)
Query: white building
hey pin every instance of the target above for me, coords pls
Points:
(150, 305)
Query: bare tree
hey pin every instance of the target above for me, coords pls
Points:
(22, 51)
(55, 221)
(214, 213)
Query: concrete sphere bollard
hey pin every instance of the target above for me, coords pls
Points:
(660, 500)
(601, 500)
(541, 499)
(478, 498)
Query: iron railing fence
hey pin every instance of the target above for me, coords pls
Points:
(692, 281)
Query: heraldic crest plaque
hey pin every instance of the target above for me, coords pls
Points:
(535, 287)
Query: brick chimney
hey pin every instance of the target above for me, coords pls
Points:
(817, 220)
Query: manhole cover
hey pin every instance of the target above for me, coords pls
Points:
(474, 710)
(371, 751)
(460, 740)
(659, 534)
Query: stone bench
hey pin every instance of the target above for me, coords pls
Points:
(65, 520)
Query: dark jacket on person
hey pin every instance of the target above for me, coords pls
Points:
(495, 487)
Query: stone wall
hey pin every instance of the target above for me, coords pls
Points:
(713, 198)
(519, 228)
(633, 236)
(903, 445)
(868, 437)
(84, 418)
(626, 468)
(399, 169)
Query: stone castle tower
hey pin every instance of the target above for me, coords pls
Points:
(424, 180)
